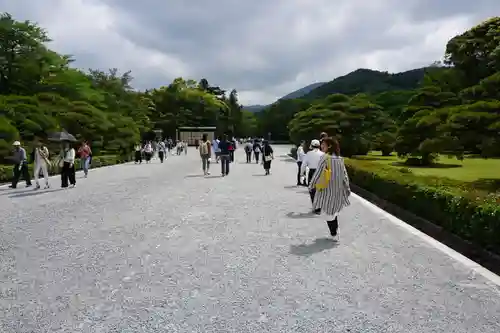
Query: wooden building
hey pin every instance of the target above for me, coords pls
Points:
(193, 134)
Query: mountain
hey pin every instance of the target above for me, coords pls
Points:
(368, 81)
(362, 80)
(303, 91)
(254, 108)
(296, 94)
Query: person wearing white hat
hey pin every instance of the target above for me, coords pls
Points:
(41, 159)
(311, 161)
(20, 165)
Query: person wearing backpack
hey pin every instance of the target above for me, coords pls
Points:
(256, 151)
(205, 149)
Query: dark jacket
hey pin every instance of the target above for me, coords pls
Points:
(224, 147)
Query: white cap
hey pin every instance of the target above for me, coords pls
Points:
(16, 143)
(315, 143)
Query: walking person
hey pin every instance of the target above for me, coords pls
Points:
(232, 147)
(267, 156)
(67, 161)
(300, 158)
(42, 163)
(311, 161)
(332, 184)
(215, 147)
(205, 149)
(248, 151)
(256, 151)
(138, 154)
(161, 151)
(148, 152)
(20, 165)
(85, 154)
(224, 155)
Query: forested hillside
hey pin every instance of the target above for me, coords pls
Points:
(368, 81)
(390, 91)
(41, 92)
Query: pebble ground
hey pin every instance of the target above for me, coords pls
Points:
(161, 248)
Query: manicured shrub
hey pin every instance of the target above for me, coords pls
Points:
(473, 218)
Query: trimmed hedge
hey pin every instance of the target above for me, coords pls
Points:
(472, 218)
(97, 161)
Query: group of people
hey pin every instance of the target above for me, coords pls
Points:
(161, 149)
(40, 156)
(322, 170)
(223, 149)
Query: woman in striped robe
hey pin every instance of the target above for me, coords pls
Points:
(332, 199)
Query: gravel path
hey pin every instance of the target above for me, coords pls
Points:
(157, 248)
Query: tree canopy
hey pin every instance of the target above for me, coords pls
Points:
(40, 93)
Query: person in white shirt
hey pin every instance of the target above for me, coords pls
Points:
(311, 161)
(41, 164)
(67, 159)
(148, 151)
(300, 158)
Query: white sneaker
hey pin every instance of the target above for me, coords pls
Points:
(47, 186)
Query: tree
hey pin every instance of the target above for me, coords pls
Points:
(41, 93)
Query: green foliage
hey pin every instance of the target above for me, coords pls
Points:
(473, 219)
(40, 93)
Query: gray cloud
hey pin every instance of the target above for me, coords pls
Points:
(262, 48)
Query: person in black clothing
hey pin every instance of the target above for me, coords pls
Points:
(256, 151)
(225, 158)
(267, 157)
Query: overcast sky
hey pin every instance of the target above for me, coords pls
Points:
(263, 48)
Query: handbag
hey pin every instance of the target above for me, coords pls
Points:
(326, 175)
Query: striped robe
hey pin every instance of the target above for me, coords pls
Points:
(336, 196)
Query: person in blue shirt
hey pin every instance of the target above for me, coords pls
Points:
(225, 157)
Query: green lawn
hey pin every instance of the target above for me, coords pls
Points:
(468, 170)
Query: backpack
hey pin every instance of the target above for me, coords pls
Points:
(204, 148)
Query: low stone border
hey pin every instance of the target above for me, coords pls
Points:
(474, 252)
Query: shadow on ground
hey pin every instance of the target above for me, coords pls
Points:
(319, 245)
(432, 166)
(33, 193)
(203, 176)
(308, 215)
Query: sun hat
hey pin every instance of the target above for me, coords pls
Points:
(16, 143)
(315, 143)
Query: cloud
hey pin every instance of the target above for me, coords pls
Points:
(264, 49)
